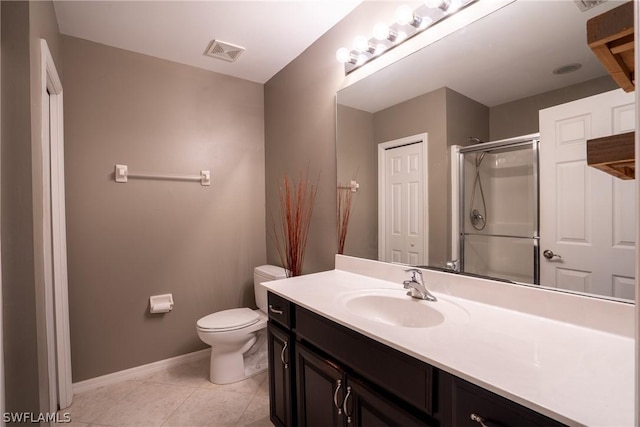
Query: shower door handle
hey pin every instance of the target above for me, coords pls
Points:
(550, 255)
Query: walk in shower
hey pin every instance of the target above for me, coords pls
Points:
(498, 209)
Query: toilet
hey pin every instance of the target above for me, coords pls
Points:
(233, 333)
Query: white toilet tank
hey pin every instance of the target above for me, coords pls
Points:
(265, 273)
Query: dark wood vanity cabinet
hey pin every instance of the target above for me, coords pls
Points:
(280, 377)
(280, 344)
(319, 390)
(328, 395)
(473, 406)
(367, 407)
(323, 374)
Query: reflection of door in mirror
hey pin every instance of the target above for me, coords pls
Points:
(588, 220)
(402, 183)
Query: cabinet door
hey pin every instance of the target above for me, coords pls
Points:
(320, 390)
(365, 407)
(280, 376)
(401, 375)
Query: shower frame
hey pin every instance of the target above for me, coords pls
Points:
(532, 140)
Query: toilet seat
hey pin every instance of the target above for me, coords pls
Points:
(228, 320)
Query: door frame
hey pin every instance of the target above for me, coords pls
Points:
(421, 138)
(2, 388)
(54, 228)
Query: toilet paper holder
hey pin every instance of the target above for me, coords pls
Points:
(161, 303)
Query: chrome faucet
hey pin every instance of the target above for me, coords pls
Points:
(416, 286)
(453, 265)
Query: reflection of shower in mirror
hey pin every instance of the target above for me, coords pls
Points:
(478, 220)
(498, 209)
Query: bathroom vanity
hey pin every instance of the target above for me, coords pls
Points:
(346, 348)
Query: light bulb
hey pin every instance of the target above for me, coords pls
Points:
(400, 37)
(381, 31)
(361, 44)
(453, 6)
(443, 5)
(362, 58)
(379, 49)
(426, 21)
(404, 15)
(343, 55)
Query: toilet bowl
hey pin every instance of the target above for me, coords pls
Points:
(232, 333)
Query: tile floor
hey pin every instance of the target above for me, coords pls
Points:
(177, 396)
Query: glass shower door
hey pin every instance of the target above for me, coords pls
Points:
(499, 227)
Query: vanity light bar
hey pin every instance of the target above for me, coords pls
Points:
(408, 24)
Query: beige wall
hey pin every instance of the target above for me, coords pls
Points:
(300, 127)
(425, 113)
(18, 283)
(466, 118)
(448, 117)
(129, 241)
(357, 159)
(23, 24)
(520, 117)
(300, 134)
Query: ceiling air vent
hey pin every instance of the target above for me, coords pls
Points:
(585, 5)
(222, 50)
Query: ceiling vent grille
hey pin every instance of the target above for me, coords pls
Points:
(585, 5)
(222, 50)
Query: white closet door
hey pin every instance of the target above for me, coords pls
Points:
(403, 195)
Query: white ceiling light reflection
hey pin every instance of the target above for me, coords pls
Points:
(408, 23)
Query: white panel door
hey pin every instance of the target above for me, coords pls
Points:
(586, 215)
(53, 231)
(404, 208)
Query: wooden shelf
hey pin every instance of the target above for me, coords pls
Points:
(610, 36)
(613, 154)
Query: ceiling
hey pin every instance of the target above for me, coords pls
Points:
(538, 35)
(272, 32)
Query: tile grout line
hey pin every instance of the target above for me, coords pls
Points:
(237, 423)
(193, 390)
(191, 386)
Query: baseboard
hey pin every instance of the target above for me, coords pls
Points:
(138, 371)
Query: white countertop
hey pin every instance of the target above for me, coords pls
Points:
(574, 374)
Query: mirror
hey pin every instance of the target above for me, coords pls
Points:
(488, 81)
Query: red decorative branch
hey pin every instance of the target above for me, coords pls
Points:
(290, 235)
(345, 199)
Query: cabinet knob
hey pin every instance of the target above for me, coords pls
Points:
(478, 419)
(284, 348)
(335, 397)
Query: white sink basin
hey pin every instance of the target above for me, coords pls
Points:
(393, 307)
